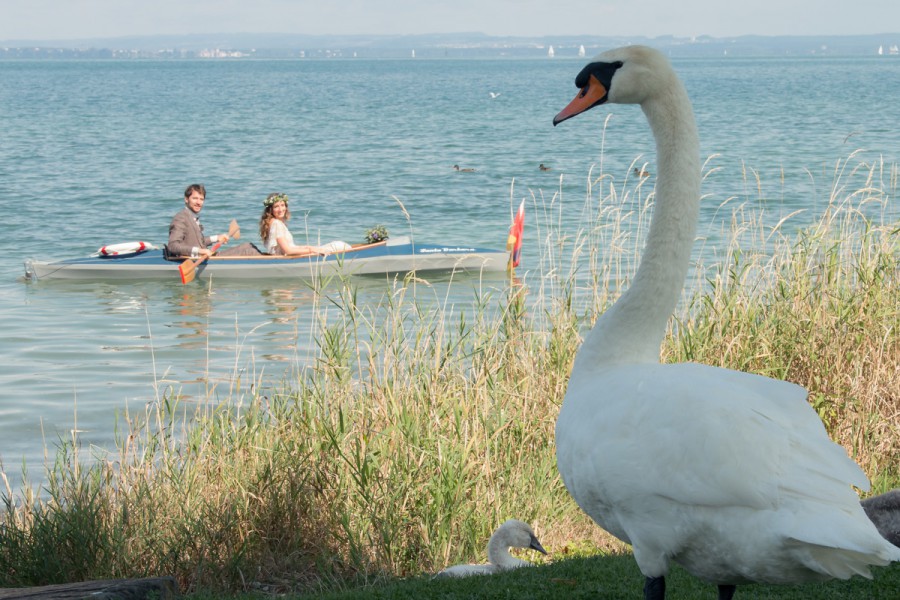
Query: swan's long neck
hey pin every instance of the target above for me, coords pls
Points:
(633, 328)
(498, 553)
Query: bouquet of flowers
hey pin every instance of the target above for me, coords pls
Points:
(376, 234)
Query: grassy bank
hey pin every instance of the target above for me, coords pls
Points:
(422, 426)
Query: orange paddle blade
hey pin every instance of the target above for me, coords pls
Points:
(188, 269)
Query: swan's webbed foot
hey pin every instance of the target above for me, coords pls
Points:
(655, 588)
(726, 592)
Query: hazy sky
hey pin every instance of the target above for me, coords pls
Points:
(73, 19)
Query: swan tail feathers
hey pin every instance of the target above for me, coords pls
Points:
(847, 547)
(839, 563)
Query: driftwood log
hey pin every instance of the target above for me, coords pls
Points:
(150, 588)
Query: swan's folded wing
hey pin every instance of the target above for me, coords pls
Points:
(700, 435)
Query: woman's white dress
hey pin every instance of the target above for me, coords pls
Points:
(277, 229)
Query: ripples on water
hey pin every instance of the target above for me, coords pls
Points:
(97, 152)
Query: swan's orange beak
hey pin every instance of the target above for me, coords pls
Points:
(591, 95)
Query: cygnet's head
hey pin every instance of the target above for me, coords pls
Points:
(519, 534)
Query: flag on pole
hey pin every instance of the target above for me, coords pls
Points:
(514, 241)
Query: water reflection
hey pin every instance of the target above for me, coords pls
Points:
(190, 308)
(283, 306)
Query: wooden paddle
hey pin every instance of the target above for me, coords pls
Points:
(188, 269)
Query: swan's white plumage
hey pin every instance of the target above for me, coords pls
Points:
(511, 534)
(732, 475)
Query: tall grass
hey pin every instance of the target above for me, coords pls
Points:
(422, 425)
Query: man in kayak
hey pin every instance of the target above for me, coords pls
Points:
(186, 237)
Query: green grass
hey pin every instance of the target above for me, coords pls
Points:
(421, 426)
(609, 578)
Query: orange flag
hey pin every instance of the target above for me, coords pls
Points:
(514, 241)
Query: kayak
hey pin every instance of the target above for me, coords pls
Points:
(396, 255)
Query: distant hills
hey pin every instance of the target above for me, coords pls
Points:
(455, 45)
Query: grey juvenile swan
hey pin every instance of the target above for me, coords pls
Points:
(730, 475)
(511, 534)
(884, 512)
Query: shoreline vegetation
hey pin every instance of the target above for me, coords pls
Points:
(421, 425)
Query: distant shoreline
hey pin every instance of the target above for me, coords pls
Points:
(461, 45)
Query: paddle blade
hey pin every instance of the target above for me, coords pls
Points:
(187, 270)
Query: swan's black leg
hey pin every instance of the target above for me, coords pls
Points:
(726, 592)
(655, 588)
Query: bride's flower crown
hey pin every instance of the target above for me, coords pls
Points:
(275, 198)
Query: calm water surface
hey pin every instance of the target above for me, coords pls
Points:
(94, 153)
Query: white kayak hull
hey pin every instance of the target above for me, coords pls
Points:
(365, 260)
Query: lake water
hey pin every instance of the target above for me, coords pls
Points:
(99, 152)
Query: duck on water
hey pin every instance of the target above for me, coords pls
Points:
(729, 474)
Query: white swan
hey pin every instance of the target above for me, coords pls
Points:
(729, 474)
(884, 511)
(512, 533)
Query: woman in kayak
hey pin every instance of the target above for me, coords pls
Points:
(274, 231)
